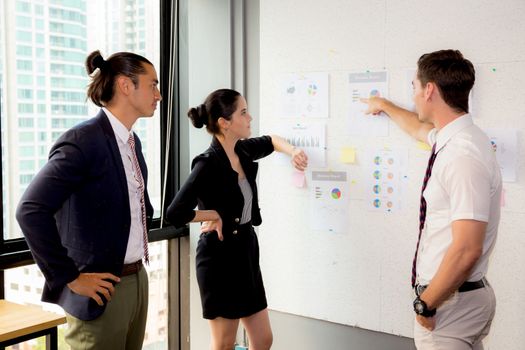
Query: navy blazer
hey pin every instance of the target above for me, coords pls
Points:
(213, 184)
(75, 213)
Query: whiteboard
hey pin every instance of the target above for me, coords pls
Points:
(361, 277)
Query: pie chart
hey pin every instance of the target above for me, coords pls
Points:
(336, 193)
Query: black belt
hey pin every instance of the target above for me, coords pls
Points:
(131, 269)
(465, 287)
(468, 286)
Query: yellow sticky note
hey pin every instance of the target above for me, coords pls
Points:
(347, 155)
(424, 146)
(299, 179)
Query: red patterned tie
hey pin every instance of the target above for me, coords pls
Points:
(140, 180)
(423, 210)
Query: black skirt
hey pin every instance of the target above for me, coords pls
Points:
(229, 275)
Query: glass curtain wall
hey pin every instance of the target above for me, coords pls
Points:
(43, 46)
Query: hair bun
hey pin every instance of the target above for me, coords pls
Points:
(203, 113)
(198, 116)
(99, 62)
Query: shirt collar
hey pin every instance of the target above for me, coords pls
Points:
(451, 129)
(118, 128)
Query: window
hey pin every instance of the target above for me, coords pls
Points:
(23, 6)
(61, 14)
(39, 24)
(68, 69)
(67, 83)
(25, 179)
(25, 122)
(39, 10)
(64, 123)
(24, 50)
(24, 79)
(25, 94)
(42, 123)
(23, 22)
(68, 96)
(25, 137)
(67, 56)
(42, 150)
(25, 108)
(24, 65)
(67, 42)
(59, 86)
(67, 28)
(23, 36)
(26, 151)
(69, 109)
(68, 3)
(48, 96)
(39, 38)
(27, 165)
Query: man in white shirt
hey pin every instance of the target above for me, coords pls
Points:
(460, 207)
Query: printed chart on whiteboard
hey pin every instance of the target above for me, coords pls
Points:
(303, 95)
(366, 85)
(385, 173)
(329, 201)
(504, 143)
(309, 136)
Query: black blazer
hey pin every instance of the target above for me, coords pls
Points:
(75, 213)
(213, 184)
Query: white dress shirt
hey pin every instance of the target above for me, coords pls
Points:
(135, 248)
(465, 184)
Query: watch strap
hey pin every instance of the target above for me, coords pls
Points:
(425, 312)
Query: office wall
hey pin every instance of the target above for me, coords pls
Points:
(206, 65)
(339, 37)
(361, 277)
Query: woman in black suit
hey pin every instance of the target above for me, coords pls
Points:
(222, 184)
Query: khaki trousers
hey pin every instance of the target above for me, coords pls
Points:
(462, 322)
(122, 325)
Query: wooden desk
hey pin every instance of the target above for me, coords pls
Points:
(19, 323)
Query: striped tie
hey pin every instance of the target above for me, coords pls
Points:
(140, 180)
(423, 210)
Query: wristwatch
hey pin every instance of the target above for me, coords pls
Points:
(420, 307)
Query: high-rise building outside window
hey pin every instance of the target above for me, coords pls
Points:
(43, 47)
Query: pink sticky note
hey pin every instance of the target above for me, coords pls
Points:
(299, 179)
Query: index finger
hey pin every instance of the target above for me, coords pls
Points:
(364, 99)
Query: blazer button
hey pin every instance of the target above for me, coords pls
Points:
(234, 232)
(237, 220)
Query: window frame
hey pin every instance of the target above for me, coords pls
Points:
(15, 252)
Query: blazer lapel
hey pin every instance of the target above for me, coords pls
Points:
(115, 152)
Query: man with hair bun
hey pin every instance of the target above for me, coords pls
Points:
(223, 185)
(85, 213)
